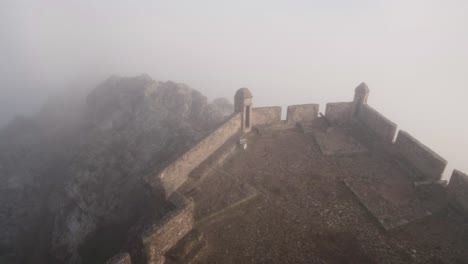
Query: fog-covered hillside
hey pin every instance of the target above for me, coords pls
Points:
(71, 175)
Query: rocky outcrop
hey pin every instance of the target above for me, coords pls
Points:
(71, 177)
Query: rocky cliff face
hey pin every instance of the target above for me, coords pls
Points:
(71, 176)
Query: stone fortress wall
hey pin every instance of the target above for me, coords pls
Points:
(176, 173)
(429, 164)
(383, 128)
(301, 113)
(164, 234)
(339, 113)
(160, 236)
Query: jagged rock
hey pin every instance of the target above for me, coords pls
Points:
(71, 176)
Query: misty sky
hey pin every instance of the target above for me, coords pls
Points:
(412, 54)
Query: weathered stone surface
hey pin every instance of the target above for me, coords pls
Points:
(266, 115)
(122, 258)
(209, 210)
(302, 204)
(457, 191)
(306, 127)
(420, 157)
(270, 130)
(335, 141)
(174, 175)
(392, 199)
(164, 234)
(305, 112)
(339, 113)
(377, 123)
(212, 163)
(188, 249)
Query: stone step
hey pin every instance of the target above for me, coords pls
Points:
(188, 249)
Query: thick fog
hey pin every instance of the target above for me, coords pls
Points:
(412, 54)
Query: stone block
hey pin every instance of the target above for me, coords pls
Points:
(338, 113)
(457, 191)
(305, 112)
(335, 141)
(266, 115)
(377, 123)
(188, 249)
(420, 157)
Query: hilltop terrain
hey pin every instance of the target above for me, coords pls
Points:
(71, 175)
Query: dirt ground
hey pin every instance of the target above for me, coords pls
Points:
(302, 212)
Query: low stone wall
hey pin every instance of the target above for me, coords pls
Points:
(339, 113)
(122, 258)
(266, 115)
(174, 175)
(422, 158)
(305, 112)
(161, 236)
(379, 124)
(457, 191)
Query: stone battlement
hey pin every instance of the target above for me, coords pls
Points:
(427, 165)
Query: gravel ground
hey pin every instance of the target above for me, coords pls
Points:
(304, 213)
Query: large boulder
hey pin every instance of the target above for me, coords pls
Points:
(72, 179)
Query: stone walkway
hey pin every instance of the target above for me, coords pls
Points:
(283, 201)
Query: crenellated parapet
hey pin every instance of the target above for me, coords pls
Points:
(426, 162)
